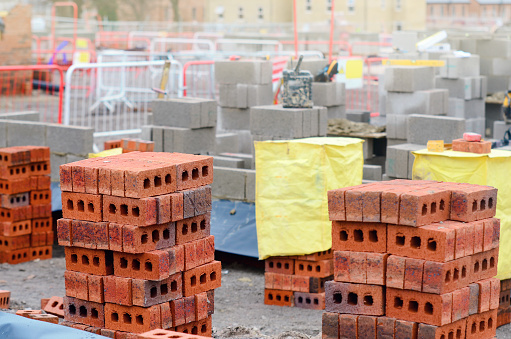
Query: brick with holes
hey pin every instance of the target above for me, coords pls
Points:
(41, 225)
(132, 319)
(154, 265)
(5, 299)
(202, 278)
(49, 318)
(194, 228)
(454, 330)
(280, 265)
(143, 239)
(16, 213)
(354, 298)
(446, 277)
(484, 265)
(473, 202)
(76, 285)
(426, 206)
(98, 262)
(15, 200)
(201, 327)
(55, 306)
(118, 290)
(27, 313)
(82, 206)
(40, 197)
(150, 292)
(482, 325)
(359, 236)
(278, 297)
(313, 301)
(319, 269)
(137, 212)
(10, 229)
(419, 307)
(42, 252)
(14, 186)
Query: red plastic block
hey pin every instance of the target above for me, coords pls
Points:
(473, 202)
(279, 265)
(482, 326)
(354, 298)
(132, 319)
(138, 212)
(5, 299)
(453, 330)
(433, 242)
(414, 306)
(82, 206)
(359, 237)
(148, 292)
(313, 301)
(202, 278)
(144, 239)
(98, 262)
(194, 228)
(55, 306)
(424, 206)
(319, 269)
(278, 297)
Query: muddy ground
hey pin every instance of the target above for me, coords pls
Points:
(239, 308)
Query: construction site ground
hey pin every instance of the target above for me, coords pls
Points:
(239, 304)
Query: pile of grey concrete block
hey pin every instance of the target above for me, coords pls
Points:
(467, 90)
(66, 143)
(186, 125)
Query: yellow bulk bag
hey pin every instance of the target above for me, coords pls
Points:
(292, 180)
(482, 169)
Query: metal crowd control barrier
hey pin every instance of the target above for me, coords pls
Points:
(34, 87)
(247, 45)
(114, 97)
(199, 79)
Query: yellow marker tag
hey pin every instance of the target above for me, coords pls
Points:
(406, 62)
(435, 145)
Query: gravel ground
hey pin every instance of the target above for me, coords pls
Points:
(239, 308)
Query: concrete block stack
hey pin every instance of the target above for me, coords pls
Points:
(495, 55)
(138, 249)
(413, 259)
(185, 125)
(298, 281)
(25, 204)
(331, 95)
(467, 90)
(504, 312)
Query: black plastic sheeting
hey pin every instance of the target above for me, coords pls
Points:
(234, 233)
(17, 327)
(233, 224)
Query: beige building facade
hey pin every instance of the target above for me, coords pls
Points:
(249, 12)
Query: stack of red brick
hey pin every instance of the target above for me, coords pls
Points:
(504, 312)
(130, 145)
(139, 254)
(298, 280)
(413, 259)
(25, 204)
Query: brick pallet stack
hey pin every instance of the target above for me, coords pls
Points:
(139, 254)
(413, 259)
(25, 204)
(130, 145)
(504, 312)
(298, 280)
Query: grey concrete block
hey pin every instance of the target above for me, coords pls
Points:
(368, 148)
(358, 115)
(186, 140)
(147, 133)
(456, 67)
(55, 161)
(476, 125)
(405, 41)
(336, 112)
(229, 183)
(463, 88)
(493, 48)
(221, 161)
(328, 93)
(372, 172)
(234, 118)
(254, 72)
(468, 109)
(3, 133)
(227, 143)
(499, 129)
(408, 78)
(322, 121)
(398, 160)
(498, 83)
(73, 158)
(23, 133)
(250, 186)
(422, 128)
(241, 96)
(24, 116)
(259, 95)
(69, 139)
(184, 112)
(277, 121)
(432, 102)
(158, 138)
(397, 126)
(393, 142)
(227, 95)
(244, 140)
(247, 158)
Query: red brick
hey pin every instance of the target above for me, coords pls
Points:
(396, 272)
(55, 306)
(328, 254)
(177, 308)
(5, 297)
(10, 156)
(154, 265)
(494, 293)
(96, 288)
(330, 326)
(137, 212)
(414, 269)
(419, 307)
(40, 197)
(14, 200)
(76, 285)
(482, 326)
(367, 326)
(424, 207)
(16, 214)
(149, 292)
(42, 252)
(360, 267)
(473, 202)
(49, 318)
(354, 298)
(202, 278)
(115, 237)
(474, 299)
(279, 265)
(336, 204)
(354, 203)
(201, 327)
(313, 301)
(165, 315)
(117, 290)
(201, 306)
(298, 283)
(43, 182)
(41, 211)
(453, 330)
(348, 325)
(484, 265)
(41, 225)
(481, 147)
(132, 319)
(189, 309)
(320, 269)
(460, 303)
(27, 313)
(98, 262)
(359, 237)
(82, 206)
(14, 186)
(441, 278)
(405, 329)
(278, 297)
(144, 239)
(193, 228)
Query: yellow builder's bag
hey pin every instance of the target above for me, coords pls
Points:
(491, 169)
(292, 180)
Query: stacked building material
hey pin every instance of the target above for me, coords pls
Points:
(504, 312)
(413, 259)
(130, 145)
(298, 280)
(139, 254)
(25, 204)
